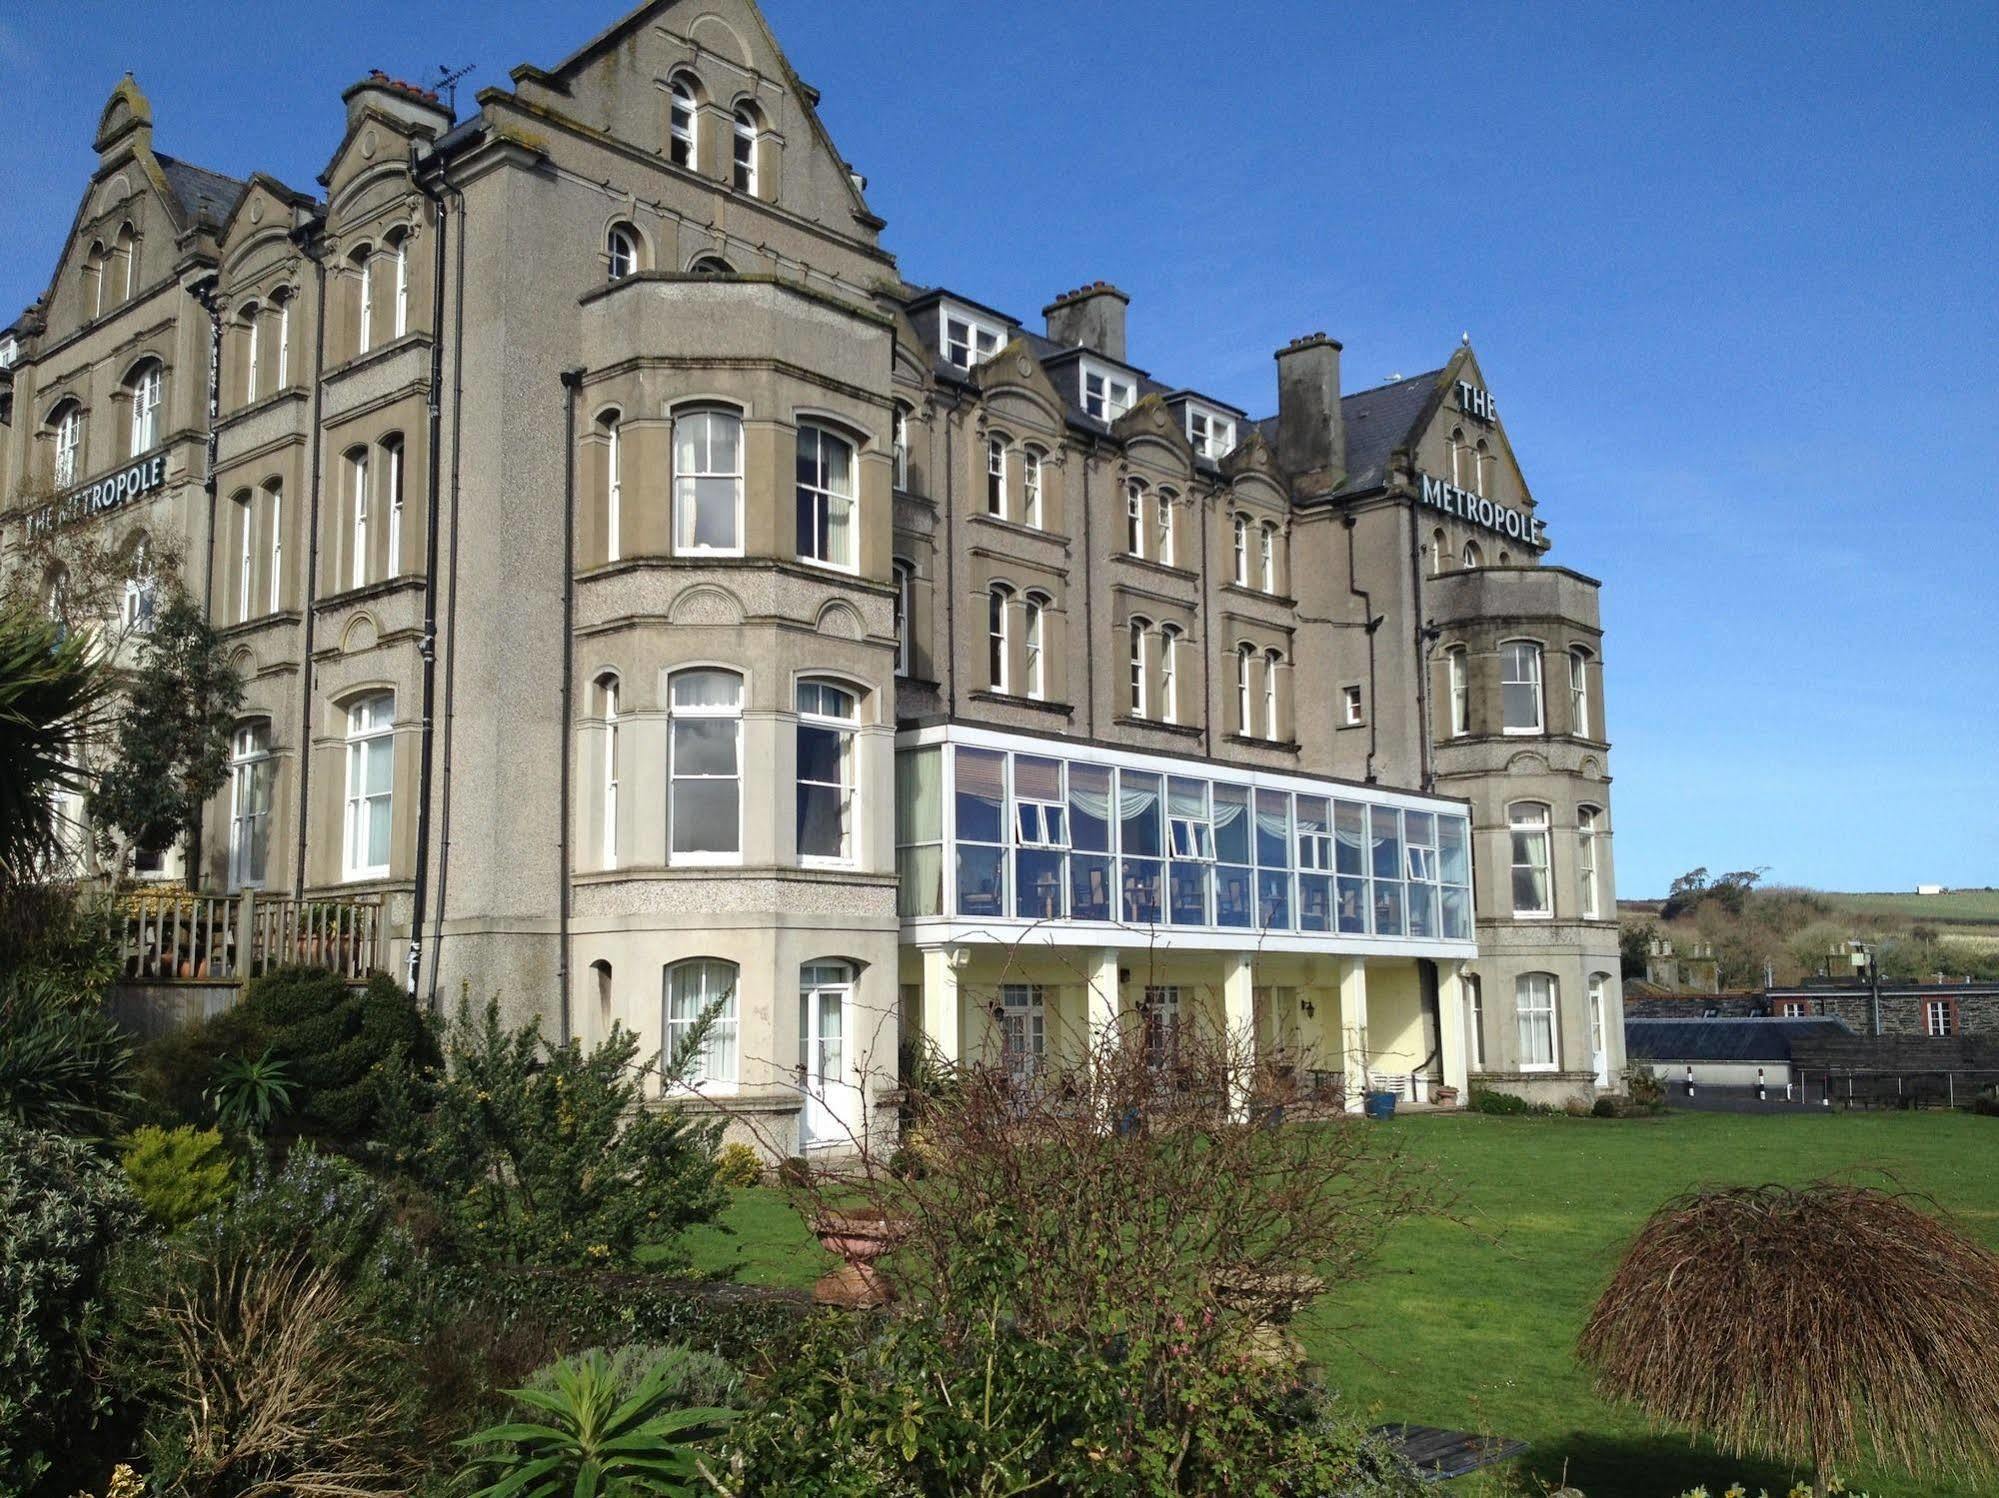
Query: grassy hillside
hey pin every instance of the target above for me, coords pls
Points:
(1978, 907)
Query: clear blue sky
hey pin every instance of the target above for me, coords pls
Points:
(1730, 272)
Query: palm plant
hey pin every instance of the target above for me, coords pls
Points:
(64, 1064)
(53, 695)
(250, 1095)
(589, 1441)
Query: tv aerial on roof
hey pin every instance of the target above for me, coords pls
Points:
(447, 83)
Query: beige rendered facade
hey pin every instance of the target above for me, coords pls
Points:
(656, 599)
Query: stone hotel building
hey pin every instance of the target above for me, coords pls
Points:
(651, 597)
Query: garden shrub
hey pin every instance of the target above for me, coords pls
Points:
(1505, 1104)
(64, 1065)
(737, 1166)
(689, 1377)
(178, 1174)
(335, 1042)
(1643, 1087)
(63, 1209)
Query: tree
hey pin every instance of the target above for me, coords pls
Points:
(53, 693)
(1634, 946)
(171, 749)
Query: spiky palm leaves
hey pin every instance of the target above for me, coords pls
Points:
(53, 694)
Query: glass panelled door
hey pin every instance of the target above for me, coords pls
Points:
(832, 1113)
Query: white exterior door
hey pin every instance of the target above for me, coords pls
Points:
(832, 1113)
(1599, 1053)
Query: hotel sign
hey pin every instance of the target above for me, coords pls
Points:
(141, 476)
(1477, 403)
(1481, 511)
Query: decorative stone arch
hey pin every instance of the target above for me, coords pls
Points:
(1527, 762)
(839, 619)
(710, 33)
(362, 633)
(1591, 768)
(705, 603)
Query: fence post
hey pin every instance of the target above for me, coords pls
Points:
(1762, 1096)
(1950, 1088)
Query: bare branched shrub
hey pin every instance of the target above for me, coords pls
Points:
(280, 1379)
(1819, 1323)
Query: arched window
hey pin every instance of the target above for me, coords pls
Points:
(252, 328)
(901, 441)
(708, 482)
(1534, 1006)
(999, 637)
(55, 593)
(607, 709)
(828, 719)
(1475, 1021)
(370, 787)
(136, 610)
(1586, 826)
(1273, 675)
(1439, 551)
(400, 318)
(125, 260)
(1527, 826)
(274, 519)
(1457, 663)
(1245, 701)
(745, 149)
(1579, 713)
(1136, 631)
(69, 443)
(93, 279)
(1267, 552)
(611, 437)
(148, 386)
(996, 476)
(600, 971)
(1134, 517)
(1241, 527)
(281, 369)
(703, 987)
(905, 582)
(1460, 458)
(1481, 468)
(363, 262)
(825, 498)
(357, 504)
(1505, 560)
(1473, 556)
(1599, 985)
(251, 770)
(1033, 657)
(621, 250)
(1030, 487)
(710, 265)
(683, 121)
(1163, 519)
(1169, 673)
(1520, 687)
(246, 536)
(393, 481)
(705, 767)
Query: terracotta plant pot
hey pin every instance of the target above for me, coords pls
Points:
(859, 1238)
(1445, 1097)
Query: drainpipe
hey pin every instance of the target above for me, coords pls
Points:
(314, 249)
(1425, 637)
(204, 293)
(434, 406)
(950, 564)
(572, 383)
(1372, 622)
(1089, 651)
(1207, 657)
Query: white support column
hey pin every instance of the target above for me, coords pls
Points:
(940, 1001)
(1353, 1028)
(1101, 1002)
(1451, 1027)
(1239, 1019)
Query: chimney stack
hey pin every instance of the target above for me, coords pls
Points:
(1090, 317)
(411, 104)
(1311, 435)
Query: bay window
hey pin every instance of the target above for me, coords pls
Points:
(1534, 1006)
(828, 717)
(825, 498)
(1579, 715)
(607, 704)
(1460, 690)
(1586, 818)
(1527, 824)
(704, 767)
(1520, 686)
(702, 987)
(708, 482)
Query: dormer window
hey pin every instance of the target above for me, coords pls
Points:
(1107, 395)
(967, 341)
(10, 351)
(1210, 433)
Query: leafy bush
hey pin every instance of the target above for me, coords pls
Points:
(64, 1065)
(547, 1154)
(691, 1378)
(178, 1174)
(336, 1043)
(62, 1210)
(1643, 1087)
(1604, 1107)
(738, 1166)
(1505, 1104)
(592, 1438)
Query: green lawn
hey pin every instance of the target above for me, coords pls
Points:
(1471, 1322)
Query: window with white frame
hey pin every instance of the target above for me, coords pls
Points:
(967, 341)
(705, 767)
(1134, 517)
(1527, 826)
(621, 251)
(825, 498)
(705, 987)
(1586, 827)
(69, 445)
(1460, 459)
(1597, 989)
(1030, 488)
(1107, 395)
(1159, 1011)
(1439, 552)
(708, 482)
(681, 123)
(1136, 631)
(250, 772)
(1033, 655)
(274, 560)
(1023, 1029)
(281, 373)
(1245, 708)
(136, 609)
(1456, 664)
(1267, 551)
(1475, 1020)
(996, 476)
(1162, 520)
(392, 477)
(607, 708)
(1579, 714)
(1520, 687)
(147, 386)
(1273, 676)
(1209, 433)
(370, 786)
(1240, 526)
(828, 721)
(1940, 1018)
(357, 502)
(611, 436)
(1169, 673)
(364, 329)
(1482, 467)
(246, 537)
(905, 582)
(1351, 706)
(1473, 556)
(901, 437)
(399, 323)
(252, 317)
(999, 637)
(745, 150)
(1534, 1008)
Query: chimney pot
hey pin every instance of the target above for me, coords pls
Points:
(1091, 317)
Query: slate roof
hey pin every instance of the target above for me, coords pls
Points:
(200, 192)
(1379, 420)
(1724, 1039)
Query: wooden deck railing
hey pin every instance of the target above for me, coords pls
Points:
(171, 934)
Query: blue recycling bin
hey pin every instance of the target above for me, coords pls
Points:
(1379, 1105)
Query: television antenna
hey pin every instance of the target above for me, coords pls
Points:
(447, 83)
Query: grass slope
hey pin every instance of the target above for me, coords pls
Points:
(1969, 906)
(1471, 1323)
